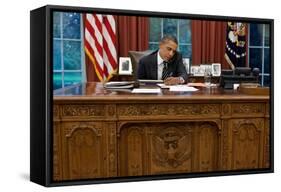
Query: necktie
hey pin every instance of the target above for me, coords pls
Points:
(165, 70)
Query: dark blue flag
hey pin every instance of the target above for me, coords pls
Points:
(235, 48)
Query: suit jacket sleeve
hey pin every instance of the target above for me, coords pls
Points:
(181, 72)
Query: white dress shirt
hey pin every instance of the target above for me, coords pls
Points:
(160, 66)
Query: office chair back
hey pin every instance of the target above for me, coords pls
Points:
(135, 57)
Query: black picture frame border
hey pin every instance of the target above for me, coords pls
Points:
(41, 96)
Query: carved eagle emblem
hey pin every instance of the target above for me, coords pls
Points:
(171, 148)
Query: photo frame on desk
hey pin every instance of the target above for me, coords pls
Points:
(206, 68)
(196, 71)
(83, 133)
(186, 63)
(125, 66)
(216, 69)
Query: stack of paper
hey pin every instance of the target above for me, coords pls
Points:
(163, 86)
(182, 88)
(150, 81)
(177, 87)
(119, 85)
(196, 84)
(146, 90)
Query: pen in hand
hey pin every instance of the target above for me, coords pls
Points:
(169, 75)
(170, 80)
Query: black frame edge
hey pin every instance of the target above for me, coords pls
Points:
(136, 12)
(160, 177)
(271, 124)
(38, 95)
(41, 96)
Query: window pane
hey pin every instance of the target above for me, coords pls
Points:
(57, 81)
(56, 25)
(72, 55)
(266, 35)
(71, 78)
(266, 60)
(186, 51)
(57, 54)
(256, 34)
(266, 80)
(71, 25)
(256, 58)
(170, 27)
(153, 46)
(184, 31)
(155, 29)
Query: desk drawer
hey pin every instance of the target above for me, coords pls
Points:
(168, 111)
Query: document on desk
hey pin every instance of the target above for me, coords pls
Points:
(196, 84)
(182, 88)
(157, 90)
(163, 86)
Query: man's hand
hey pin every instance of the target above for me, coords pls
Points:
(172, 81)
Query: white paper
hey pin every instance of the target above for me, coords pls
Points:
(146, 90)
(182, 88)
(163, 86)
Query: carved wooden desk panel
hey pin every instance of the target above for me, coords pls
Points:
(109, 133)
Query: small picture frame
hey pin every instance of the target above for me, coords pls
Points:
(186, 64)
(206, 68)
(125, 66)
(216, 69)
(196, 71)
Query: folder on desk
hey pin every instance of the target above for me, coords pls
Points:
(119, 85)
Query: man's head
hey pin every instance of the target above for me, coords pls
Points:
(167, 47)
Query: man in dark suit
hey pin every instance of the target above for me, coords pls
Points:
(164, 64)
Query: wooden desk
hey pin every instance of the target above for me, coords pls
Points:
(117, 77)
(191, 78)
(200, 79)
(99, 133)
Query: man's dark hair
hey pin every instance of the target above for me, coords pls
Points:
(169, 38)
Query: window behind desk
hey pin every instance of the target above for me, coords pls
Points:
(180, 28)
(259, 49)
(68, 64)
(68, 58)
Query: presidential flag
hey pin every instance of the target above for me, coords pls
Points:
(100, 44)
(235, 48)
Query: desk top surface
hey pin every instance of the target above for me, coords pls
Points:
(96, 91)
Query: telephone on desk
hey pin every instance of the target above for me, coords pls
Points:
(238, 75)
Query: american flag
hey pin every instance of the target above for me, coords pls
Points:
(100, 44)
